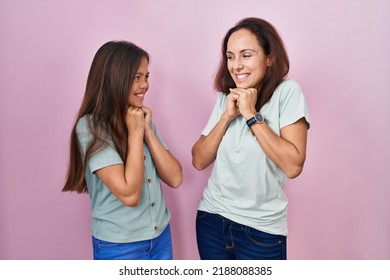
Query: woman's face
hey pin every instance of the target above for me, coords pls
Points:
(246, 60)
(140, 85)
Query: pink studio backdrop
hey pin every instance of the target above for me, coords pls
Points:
(339, 52)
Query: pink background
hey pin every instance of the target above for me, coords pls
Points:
(339, 52)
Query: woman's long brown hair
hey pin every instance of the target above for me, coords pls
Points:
(273, 47)
(105, 102)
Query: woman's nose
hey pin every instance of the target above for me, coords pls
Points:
(237, 64)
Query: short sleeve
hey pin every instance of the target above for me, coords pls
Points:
(218, 109)
(106, 157)
(292, 104)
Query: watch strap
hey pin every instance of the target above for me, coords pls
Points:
(251, 121)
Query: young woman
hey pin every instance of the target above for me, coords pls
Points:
(118, 157)
(256, 136)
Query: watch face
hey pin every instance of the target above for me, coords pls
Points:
(258, 117)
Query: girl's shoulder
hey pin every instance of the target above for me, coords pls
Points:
(82, 125)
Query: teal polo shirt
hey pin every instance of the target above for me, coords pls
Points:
(111, 220)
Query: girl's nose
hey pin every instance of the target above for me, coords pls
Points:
(144, 84)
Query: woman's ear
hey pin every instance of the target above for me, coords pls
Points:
(270, 61)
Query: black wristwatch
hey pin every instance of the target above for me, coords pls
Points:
(257, 118)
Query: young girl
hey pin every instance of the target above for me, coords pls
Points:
(118, 157)
(257, 137)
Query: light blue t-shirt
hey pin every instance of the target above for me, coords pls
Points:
(245, 186)
(111, 220)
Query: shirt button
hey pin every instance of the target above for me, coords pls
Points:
(149, 181)
(144, 157)
(153, 204)
(156, 228)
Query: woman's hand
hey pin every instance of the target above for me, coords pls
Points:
(232, 110)
(245, 100)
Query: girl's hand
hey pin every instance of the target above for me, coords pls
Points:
(148, 117)
(135, 120)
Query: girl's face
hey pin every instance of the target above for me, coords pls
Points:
(246, 60)
(140, 85)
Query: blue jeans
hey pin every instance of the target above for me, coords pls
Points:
(222, 239)
(159, 248)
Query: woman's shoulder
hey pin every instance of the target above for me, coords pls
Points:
(221, 98)
(288, 88)
(289, 84)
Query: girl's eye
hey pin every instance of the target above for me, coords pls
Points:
(136, 78)
(147, 77)
(246, 55)
(229, 57)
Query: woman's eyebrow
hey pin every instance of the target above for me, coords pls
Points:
(241, 51)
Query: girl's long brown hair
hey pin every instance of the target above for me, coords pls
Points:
(105, 102)
(273, 47)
